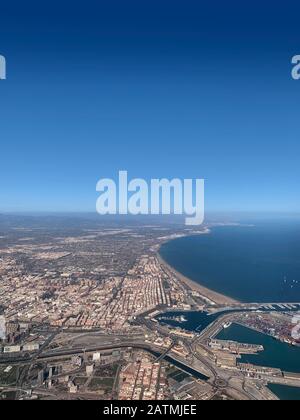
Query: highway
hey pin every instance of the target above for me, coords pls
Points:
(200, 362)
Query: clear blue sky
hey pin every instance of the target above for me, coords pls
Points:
(163, 88)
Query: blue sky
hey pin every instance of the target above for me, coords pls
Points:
(195, 89)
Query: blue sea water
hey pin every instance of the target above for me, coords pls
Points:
(276, 354)
(258, 263)
(285, 393)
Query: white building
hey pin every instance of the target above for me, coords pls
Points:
(2, 328)
(12, 349)
(31, 347)
(90, 370)
(96, 357)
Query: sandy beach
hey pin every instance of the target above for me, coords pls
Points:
(216, 297)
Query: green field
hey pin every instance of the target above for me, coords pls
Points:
(7, 378)
(101, 383)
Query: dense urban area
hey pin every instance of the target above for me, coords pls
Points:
(82, 306)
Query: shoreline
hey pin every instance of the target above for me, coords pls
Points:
(207, 293)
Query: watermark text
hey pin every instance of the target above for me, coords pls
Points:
(159, 197)
(2, 67)
(296, 68)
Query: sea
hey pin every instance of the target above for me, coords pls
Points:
(276, 354)
(251, 263)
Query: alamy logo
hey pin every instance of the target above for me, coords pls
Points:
(2, 67)
(296, 68)
(159, 197)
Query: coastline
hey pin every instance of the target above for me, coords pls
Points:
(209, 294)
